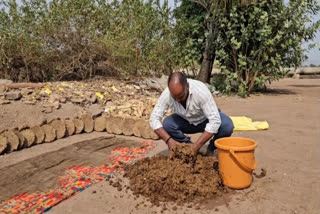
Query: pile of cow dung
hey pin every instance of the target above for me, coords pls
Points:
(181, 177)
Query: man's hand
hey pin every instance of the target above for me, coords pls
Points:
(195, 149)
(201, 141)
(172, 144)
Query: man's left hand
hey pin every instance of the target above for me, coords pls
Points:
(195, 149)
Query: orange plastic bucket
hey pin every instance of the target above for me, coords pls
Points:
(236, 161)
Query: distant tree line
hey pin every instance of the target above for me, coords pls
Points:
(312, 65)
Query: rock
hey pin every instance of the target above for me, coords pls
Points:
(96, 110)
(13, 95)
(150, 81)
(63, 100)
(4, 102)
(5, 81)
(37, 97)
(26, 91)
(91, 97)
(44, 94)
(143, 86)
(30, 102)
(47, 110)
(77, 100)
(109, 103)
(56, 105)
(2, 88)
(162, 82)
(136, 87)
(46, 105)
(67, 97)
(54, 98)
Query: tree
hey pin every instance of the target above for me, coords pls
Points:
(214, 9)
(76, 39)
(205, 17)
(253, 41)
(190, 32)
(257, 42)
(313, 65)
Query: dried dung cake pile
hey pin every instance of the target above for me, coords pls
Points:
(181, 177)
(120, 98)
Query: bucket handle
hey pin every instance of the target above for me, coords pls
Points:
(242, 164)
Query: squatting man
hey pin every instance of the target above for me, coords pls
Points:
(194, 110)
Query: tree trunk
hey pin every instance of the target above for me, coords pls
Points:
(206, 68)
(208, 56)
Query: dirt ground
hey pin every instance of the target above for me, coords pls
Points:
(289, 151)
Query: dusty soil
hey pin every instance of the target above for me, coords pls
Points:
(181, 177)
(288, 151)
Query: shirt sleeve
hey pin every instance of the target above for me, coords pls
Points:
(159, 110)
(211, 111)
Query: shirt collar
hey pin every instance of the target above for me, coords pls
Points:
(190, 88)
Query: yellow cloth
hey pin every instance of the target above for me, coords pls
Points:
(246, 124)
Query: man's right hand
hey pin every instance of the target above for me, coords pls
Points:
(172, 144)
(164, 135)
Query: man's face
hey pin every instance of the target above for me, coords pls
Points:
(179, 93)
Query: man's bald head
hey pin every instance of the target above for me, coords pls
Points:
(178, 78)
(178, 86)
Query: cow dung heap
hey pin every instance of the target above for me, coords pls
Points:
(181, 177)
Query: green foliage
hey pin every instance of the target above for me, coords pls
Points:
(252, 41)
(313, 65)
(259, 41)
(77, 39)
(190, 33)
(256, 40)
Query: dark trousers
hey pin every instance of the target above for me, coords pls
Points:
(176, 126)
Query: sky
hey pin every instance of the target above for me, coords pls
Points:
(313, 55)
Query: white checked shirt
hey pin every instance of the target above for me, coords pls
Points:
(200, 106)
